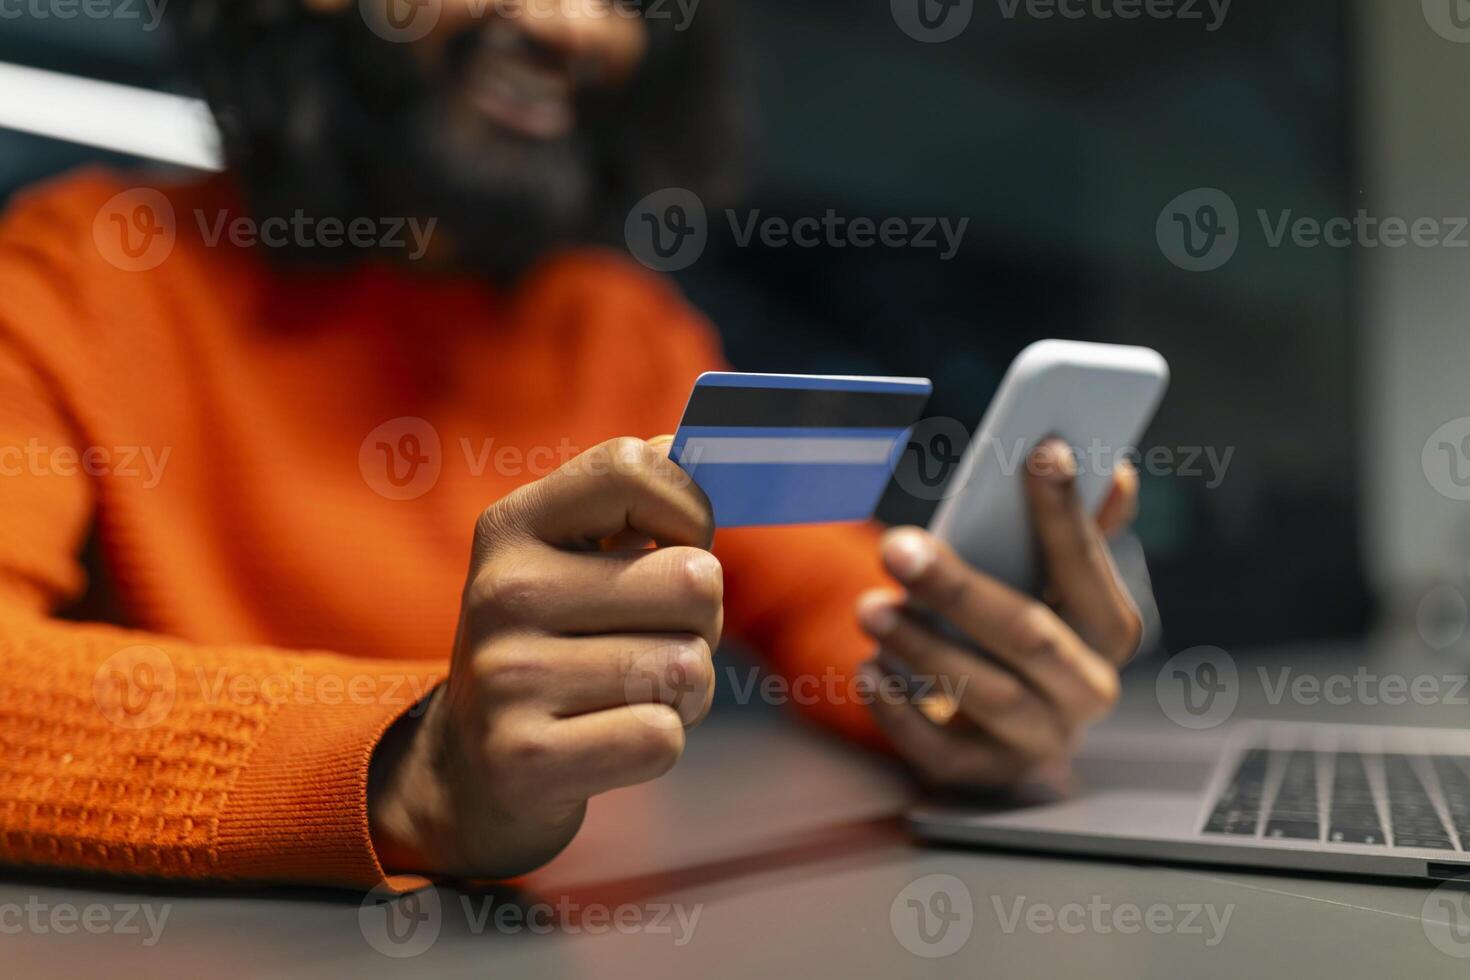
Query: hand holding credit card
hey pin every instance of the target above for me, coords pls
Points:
(773, 449)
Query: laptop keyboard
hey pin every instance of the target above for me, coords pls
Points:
(1454, 783)
(1410, 810)
(1294, 814)
(1348, 798)
(1238, 810)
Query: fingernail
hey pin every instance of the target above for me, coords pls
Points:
(1054, 462)
(876, 613)
(908, 553)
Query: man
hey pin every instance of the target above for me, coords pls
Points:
(301, 683)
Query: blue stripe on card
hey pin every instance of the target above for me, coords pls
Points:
(749, 494)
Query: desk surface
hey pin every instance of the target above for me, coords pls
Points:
(768, 851)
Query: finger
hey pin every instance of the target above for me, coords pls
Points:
(983, 609)
(1033, 716)
(620, 485)
(1018, 631)
(570, 677)
(937, 755)
(605, 750)
(628, 539)
(1121, 507)
(1079, 567)
(987, 688)
(668, 590)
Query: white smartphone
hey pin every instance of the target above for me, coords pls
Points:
(1099, 398)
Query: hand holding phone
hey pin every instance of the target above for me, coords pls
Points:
(1026, 674)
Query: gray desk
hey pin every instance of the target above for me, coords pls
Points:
(789, 850)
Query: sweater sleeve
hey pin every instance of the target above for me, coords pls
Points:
(131, 753)
(791, 593)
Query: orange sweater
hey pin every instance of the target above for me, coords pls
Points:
(224, 432)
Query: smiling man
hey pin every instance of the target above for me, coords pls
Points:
(289, 675)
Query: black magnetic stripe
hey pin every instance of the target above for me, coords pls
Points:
(806, 409)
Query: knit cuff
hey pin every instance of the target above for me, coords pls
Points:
(298, 812)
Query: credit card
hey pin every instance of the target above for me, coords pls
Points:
(795, 449)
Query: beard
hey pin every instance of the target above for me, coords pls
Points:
(501, 199)
(320, 117)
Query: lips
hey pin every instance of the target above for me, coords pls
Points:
(520, 86)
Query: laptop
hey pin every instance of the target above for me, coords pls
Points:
(1301, 796)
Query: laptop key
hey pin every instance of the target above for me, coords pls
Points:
(1434, 843)
(1238, 807)
(1410, 811)
(1292, 829)
(1353, 815)
(1354, 835)
(1456, 786)
(1294, 811)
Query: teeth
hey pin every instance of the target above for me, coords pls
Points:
(510, 77)
(530, 81)
(522, 89)
(504, 69)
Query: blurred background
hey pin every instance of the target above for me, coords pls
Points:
(1322, 371)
